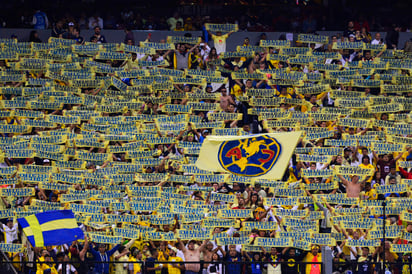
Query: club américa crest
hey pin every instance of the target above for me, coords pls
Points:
(252, 156)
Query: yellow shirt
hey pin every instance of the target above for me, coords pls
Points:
(220, 42)
(172, 269)
(310, 258)
(285, 96)
(120, 268)
(161, 257)
(368, 166)
(274, 63)
(43, 267)
(16, 261)
(236, 90)
(130, 65)
(372, 194)
(136, 266)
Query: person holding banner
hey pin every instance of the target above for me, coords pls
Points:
(102, 256)
(46, 266)
(219, 41)
(273, 258)
(353, 187)
(192, 254)
(314, 257)
(10, 231)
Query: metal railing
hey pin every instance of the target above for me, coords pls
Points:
(5, 265)
(224, 267)
(399, 266)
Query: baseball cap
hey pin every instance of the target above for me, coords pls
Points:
(71, 24)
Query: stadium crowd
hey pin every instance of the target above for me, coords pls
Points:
(112, 131)
(257, 15)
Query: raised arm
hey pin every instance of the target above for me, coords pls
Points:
(182, 246)
(203, 245)
(113, 250)
(285, 250)
(344, 181)
(85, 248)
(193, 48)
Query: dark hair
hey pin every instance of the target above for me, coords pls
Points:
(60, 255)
(153, 250)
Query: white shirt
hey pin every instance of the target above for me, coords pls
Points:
(11, 233)
(220, 43)
(69, 268)
(375, 42)
(95, 22)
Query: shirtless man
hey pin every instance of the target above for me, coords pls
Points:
(225, 99)
(353, 187)
(207, 253)
(192, 255)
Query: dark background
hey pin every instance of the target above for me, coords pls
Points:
(251, 15)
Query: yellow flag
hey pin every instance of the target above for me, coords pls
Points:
(257, 156)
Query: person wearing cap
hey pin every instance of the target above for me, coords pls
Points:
(10, 231)
(102, 256)
(46, 266)
(69, 33)
(177, 266)
(347, 156)
(202, 136)
(393, 174)
(314, 256)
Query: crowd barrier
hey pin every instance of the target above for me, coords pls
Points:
(348, 267)
(234, 40)
(245, 266)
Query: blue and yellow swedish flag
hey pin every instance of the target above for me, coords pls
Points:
(51, 228)
(261, 156)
